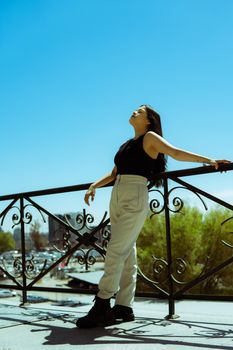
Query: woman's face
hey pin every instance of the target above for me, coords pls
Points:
(139, 118)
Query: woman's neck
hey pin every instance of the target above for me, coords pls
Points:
(139, 133)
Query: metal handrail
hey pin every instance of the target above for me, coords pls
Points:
(168, 174)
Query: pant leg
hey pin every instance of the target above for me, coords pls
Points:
(125, 295)
(128, 211)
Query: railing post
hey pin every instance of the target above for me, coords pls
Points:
(23, 252)
(171, 311)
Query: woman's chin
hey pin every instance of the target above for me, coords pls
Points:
(131, 121)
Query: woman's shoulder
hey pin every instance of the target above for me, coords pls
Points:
(151, 139)
(150, 133)
(149, 144)
(150, 136)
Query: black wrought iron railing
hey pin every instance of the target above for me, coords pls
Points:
(81, 238)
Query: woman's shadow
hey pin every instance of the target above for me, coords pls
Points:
(132, 333)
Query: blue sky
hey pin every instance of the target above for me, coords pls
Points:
(72, 72)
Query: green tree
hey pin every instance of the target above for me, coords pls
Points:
(215, 233)
(194, 237)
(36, 236)
(7, 241)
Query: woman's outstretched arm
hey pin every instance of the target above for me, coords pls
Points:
(160, 145)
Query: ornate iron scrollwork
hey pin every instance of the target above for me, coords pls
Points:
(178, 267)
(80, 226)
(178, 203)
(155, 206)
(22, 216)
(160, 270)
(229, 232)
(66, 240)
(30, 270)
(105, 232)
(84, 220)
(85, 257)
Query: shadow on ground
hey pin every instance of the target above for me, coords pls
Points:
(144, 331)
(59, 329)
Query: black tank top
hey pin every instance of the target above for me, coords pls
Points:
(131, 159)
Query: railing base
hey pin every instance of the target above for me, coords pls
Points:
(171, 317)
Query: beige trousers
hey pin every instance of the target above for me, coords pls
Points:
(128, 211)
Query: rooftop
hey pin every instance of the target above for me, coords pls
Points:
(201, 325)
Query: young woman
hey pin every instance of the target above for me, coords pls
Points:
(137, 162)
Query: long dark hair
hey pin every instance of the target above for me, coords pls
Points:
(160, 163)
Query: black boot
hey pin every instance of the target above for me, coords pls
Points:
(123, 313)
(100, 315)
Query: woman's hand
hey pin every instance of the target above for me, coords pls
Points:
(90, 193)
(99, 183)
(218, 162)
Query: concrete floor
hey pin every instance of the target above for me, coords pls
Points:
(201, 325)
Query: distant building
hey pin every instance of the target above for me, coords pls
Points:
(57, 231)
(29, 244)
(17, 238)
